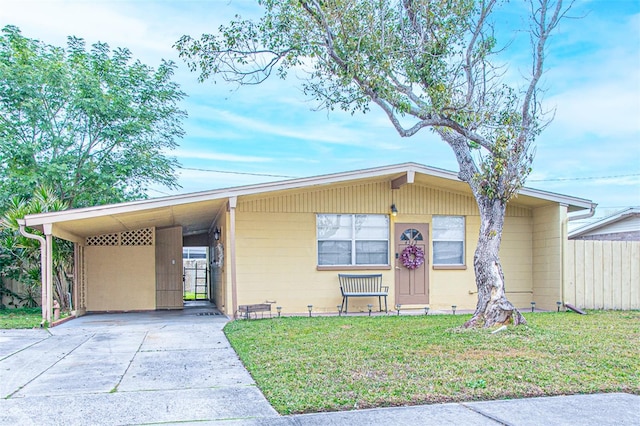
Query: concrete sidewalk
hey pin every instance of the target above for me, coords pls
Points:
(178, 367)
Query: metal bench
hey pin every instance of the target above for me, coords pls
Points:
(247, 310)
(362, 286)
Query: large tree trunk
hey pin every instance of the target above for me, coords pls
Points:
(493, 308)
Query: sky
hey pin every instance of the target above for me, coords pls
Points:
(252, 134)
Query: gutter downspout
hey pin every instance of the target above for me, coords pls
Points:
(44, 273)
(592, 211)
(233, 202)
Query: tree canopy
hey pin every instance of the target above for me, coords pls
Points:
(427, 64)
(78, 127)
(94, 125)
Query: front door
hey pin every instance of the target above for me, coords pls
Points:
(412, 281)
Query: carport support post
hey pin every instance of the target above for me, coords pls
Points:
(45, 268)
(233, 201)
(49, 279)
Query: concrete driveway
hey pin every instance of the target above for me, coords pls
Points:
(178, 367)
(135, 368)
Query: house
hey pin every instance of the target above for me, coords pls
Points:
(286, 242)
(623, 225)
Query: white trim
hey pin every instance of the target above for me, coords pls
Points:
(234, 192)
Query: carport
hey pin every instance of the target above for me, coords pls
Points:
(128, 256)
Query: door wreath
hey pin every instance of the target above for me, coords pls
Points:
(412, 257)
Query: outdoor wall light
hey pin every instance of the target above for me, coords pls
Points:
(394, 210)
(310, 307)
(533, 306)
(279, 309)
(369, 305)
(453, 309)
(216, 234)
(559, 305)
(426, 310)
(398, 306)
(339, 310)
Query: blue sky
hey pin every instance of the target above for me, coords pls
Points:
(263, 133)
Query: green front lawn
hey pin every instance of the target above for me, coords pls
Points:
(339, 363)
(20, 318)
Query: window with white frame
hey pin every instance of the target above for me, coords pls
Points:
(448, 240)
(352, 239)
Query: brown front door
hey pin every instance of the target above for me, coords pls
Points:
(412, 285)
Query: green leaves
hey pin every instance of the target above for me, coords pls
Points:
(83, 127)
(23, 254)
(92, 124)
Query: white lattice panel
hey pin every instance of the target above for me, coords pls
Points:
(104, 240)
(139, 237)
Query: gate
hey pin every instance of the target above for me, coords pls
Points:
(195, 281)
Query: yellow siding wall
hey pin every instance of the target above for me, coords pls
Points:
(456, 287)
(276, 258)
(549, 246)
(516, 255)
(373, 198)
(277, 254)
(120, 278)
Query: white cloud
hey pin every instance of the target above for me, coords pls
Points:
(607, 107)
(285, 129)
(93, 21)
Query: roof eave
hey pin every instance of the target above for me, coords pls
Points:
(36, 220)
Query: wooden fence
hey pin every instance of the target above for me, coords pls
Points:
(603, 274)
(16, 287)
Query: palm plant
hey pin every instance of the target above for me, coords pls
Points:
(24, 253)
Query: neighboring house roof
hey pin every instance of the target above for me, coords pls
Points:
(194, 211)
(626, 221)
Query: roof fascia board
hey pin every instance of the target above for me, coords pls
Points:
(581, 203)
(226, 193)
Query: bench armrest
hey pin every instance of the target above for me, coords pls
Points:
(385, 288)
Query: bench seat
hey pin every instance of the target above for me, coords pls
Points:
(247, 310)
(367, 285)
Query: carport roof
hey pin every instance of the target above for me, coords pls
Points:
(195, 212)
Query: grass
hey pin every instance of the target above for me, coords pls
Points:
(319, 364)
(20, 318)
(190, 295)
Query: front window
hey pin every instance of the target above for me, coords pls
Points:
(352, 239)
(448, 240)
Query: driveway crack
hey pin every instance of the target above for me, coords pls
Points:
(49, 367)
(115, 388)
